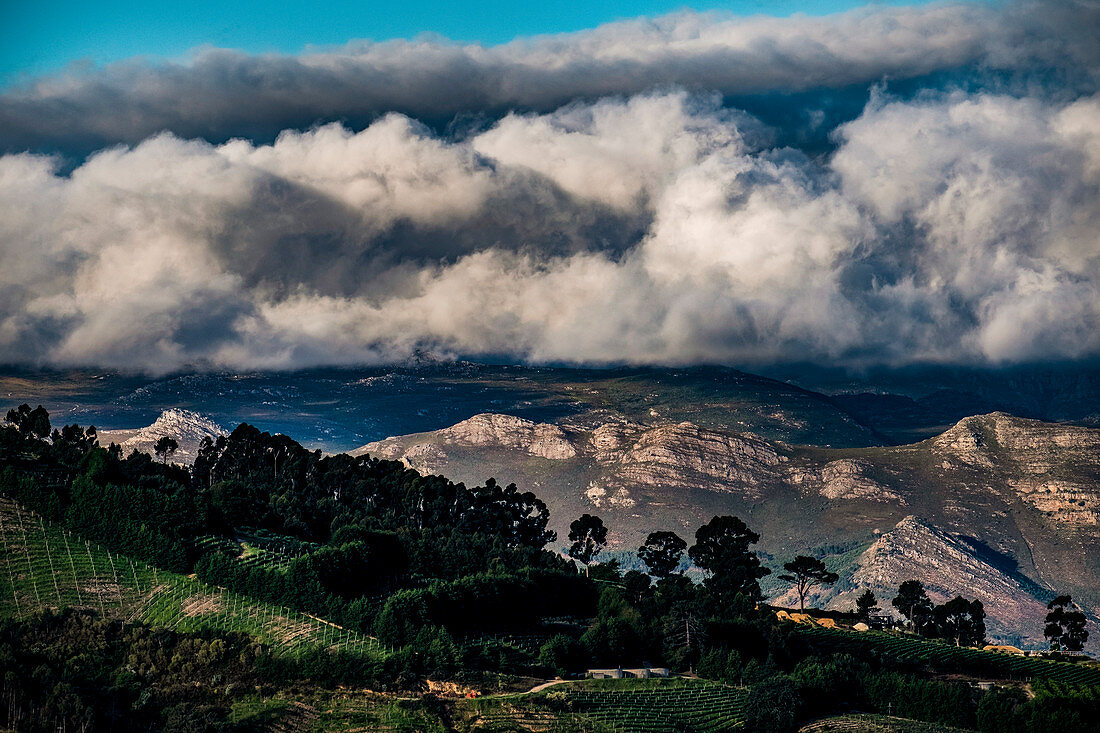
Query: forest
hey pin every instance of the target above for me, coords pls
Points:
(447, 578)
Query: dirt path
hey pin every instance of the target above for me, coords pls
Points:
(544, 685)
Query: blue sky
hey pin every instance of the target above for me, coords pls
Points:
(43, 36)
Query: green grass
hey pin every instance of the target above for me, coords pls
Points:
(944, 657)
(43, 566)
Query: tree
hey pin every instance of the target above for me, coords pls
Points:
(914, 604)
(722, 549)
(662, 552)
(30, 422)
(961, 620)
(589, 536)
(165, 447)
(866, 604)
(773, 705)
(1065, 625)
(806, 572)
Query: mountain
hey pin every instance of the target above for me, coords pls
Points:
(1008, 507)
(188, 428)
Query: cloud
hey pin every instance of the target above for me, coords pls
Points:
(219, 94)
(948, 225)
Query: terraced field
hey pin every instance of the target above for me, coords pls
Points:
(864, 723)
(620, 706)
(946, 658)
(43, 566)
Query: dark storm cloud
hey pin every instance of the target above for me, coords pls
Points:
(220, 94)
(629, 215)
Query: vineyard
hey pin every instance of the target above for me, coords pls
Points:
(621, 706)
(865, 723)
(43, 566)
(944, 657)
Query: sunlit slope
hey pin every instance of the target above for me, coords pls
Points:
(42, 566)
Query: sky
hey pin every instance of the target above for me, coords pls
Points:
(46, 35)
(861, 186)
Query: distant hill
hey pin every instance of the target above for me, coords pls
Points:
(1008, 507)
(186, 427)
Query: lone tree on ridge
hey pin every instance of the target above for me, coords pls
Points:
(806, 572)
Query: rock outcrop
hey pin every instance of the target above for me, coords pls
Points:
(186, 427)
(845, 479)
(480, 431)
(948, 565)
(1041, 463)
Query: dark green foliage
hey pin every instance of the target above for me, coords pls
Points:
(563, 654)
(910, 697)
(1055, 708)
(722, 549)
(617, 637)
(588, 536)
(914, 604)
(961, 621)
(165, 447)
(30, 422)
(805, 572)
(773, 705)
(866, 604)
(1066, 626)
(724, 665)
(662, 552)
(74, 671)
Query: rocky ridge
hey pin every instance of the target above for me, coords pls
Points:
(1008, 506)
(1042, 463)
(948, 565)
(188, 428)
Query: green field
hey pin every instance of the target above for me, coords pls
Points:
(43, 566)
(943, 657)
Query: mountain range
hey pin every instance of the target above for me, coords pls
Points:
(886, 477)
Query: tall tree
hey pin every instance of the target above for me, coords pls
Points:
(866, 604)
(722, 549)
(914, 604)
(961, 620)
(806, 572)
(588, 535)
(165, 447)
(30, 422)
(662, 552)
(1066, 625)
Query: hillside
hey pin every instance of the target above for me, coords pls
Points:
(45, 567)
(314, 592)
(1008, 506)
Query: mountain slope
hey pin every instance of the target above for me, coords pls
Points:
(1009, 506)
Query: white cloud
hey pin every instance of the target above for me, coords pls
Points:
(657, 227)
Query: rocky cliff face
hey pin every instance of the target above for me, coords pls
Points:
(188, 428)
(1054, 468)
(949, 565)
(480, 431)
(1009, 506)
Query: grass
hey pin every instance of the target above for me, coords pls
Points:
(42, 566)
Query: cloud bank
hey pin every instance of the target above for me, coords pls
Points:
(626, 210)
